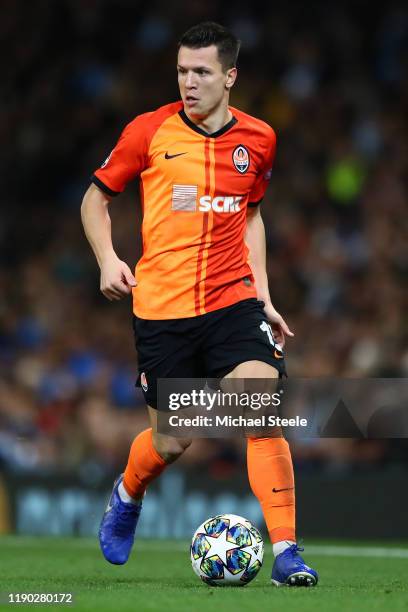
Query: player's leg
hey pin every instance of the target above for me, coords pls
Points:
(269, 463)
(242, 346)
(164, 351)
(150, 454)
(270, 473)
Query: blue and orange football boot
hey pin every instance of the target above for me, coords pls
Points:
(118, 525)
(290, 569)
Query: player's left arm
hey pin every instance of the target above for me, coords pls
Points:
(256, 242)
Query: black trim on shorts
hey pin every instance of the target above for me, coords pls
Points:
(98, 183)
(254, 204)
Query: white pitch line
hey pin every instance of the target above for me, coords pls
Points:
(327, 551)
(357, 551)
(183, 545)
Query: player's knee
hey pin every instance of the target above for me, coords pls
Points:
(170, 448)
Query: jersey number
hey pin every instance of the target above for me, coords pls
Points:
(268, 329)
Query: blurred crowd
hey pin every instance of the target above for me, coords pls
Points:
(332, 82)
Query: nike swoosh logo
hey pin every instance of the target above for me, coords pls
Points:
(167, 156)
(279, 490)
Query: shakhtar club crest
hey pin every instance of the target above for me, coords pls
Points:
(240, 157)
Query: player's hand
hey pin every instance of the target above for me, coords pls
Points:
(117, 279)
(279, 326)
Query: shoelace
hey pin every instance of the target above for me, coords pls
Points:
(123, 524)
(293, 550)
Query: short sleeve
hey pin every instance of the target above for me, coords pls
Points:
(127, 160)
(265, 170)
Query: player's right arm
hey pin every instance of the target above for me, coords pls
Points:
(126, 161)
(117, 279)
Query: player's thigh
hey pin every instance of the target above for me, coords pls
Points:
(252, 376)
(253, 369)
(168, 447)
(255, 377)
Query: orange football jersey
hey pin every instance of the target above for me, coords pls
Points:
(195, 188)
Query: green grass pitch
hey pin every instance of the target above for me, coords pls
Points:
(159, 577)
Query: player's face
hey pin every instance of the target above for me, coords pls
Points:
(203, 82)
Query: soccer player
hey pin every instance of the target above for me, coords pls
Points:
(200, 292)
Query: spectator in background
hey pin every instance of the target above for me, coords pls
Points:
(338, 225)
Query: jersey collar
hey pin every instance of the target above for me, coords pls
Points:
(194, 127)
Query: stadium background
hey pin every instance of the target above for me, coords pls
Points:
(332, 82)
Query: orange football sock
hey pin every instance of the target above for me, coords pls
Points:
(270, 473)
(144, 464)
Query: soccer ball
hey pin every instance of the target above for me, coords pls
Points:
(227, 550)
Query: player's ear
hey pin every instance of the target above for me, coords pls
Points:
(231, 76)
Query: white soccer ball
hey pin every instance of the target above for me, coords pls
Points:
(227, 550)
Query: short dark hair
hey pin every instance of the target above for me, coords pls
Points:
(210, 33)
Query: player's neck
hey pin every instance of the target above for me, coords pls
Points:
(213, 122)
